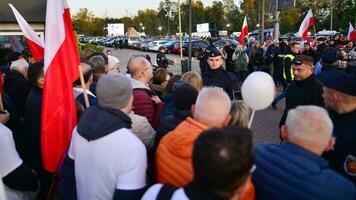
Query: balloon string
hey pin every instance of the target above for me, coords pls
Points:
(251, 119)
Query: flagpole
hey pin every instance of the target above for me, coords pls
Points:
(1, 104)
(86, 99)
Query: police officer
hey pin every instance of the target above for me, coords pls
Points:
(340, 98)
(162, 60)
(217, 76)
(304, 89)
(287, 71)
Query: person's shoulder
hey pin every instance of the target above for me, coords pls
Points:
(152, 192)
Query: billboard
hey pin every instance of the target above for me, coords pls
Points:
(34, 11)
(282, 4)
(203, 27)
(116, 29)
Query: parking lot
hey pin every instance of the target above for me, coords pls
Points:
(124, 55)
(265, 123)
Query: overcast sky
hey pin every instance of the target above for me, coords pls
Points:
(118, 8)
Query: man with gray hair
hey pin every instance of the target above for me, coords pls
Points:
(173, 164)
(295, 169)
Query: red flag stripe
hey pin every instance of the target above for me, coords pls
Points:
(58, 110)
(36, 50)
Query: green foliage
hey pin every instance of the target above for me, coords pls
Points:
(92, 46)
(222, 13)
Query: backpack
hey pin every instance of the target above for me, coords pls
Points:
(166, 192)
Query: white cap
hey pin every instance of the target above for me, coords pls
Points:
(19, 64)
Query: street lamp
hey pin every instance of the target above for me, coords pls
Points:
(140, 24)
(227, 25)
(143, 28)
(160, 29)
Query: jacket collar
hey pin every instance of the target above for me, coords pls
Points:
(79, 90)
(138, 84)
(196, 192)
(305, 154)
(196, 123)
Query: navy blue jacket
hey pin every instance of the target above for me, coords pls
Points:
(287, 171)
(221, 78)
(343, 158)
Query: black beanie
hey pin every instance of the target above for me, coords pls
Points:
(184, 95)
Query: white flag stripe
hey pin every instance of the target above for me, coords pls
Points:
(55, 33)
(245, 23)
(27, 30)
(305, 24)
(351, 28)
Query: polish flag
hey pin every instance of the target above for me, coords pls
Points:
(351, 36)
(34, 42)
(244, 32)
(307, 22)
(61, 63)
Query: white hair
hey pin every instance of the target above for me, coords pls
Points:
(19, 64)
(112, 62)
(309, 124)
(212, 106)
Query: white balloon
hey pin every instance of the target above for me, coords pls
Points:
(258, 90)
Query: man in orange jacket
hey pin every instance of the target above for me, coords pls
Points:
(173, 164)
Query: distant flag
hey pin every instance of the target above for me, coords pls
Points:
(244, 32)
(351, 36)
(307, 22)
(34, 42)
(61, 65)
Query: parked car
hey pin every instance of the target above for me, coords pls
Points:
(145, 45)
(176, 48)
(221, 42)
(109, 43)
(169, 46)
(197, 46)
(156, 45)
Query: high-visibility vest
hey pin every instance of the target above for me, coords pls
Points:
(284, 66)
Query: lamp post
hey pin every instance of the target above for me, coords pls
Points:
(160, 29)
(143, 29)
(227, 28)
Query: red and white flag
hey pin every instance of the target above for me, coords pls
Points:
(351, 36)
(34, 42)
(307, 22)
(244, 32)
(61, 63)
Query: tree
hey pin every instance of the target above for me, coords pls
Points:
(233, 15)
(215, 14)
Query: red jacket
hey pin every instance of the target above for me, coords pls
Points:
(144, 106)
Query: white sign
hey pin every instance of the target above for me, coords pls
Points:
(116, 29)
(203, 27)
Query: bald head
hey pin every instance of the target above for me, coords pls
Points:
(138, 65)
(212, 107)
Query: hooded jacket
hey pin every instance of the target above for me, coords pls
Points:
(173, 164)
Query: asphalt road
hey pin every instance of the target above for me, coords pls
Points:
(265, 123)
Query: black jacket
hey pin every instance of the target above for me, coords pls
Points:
(162, 60)
(306, 92)
(343, 157)
(170, 123)
(32, 123)
(18, 88)
(221, 78)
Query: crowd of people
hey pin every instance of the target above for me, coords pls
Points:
(150, 134)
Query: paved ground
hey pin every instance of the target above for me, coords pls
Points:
(265, 123)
